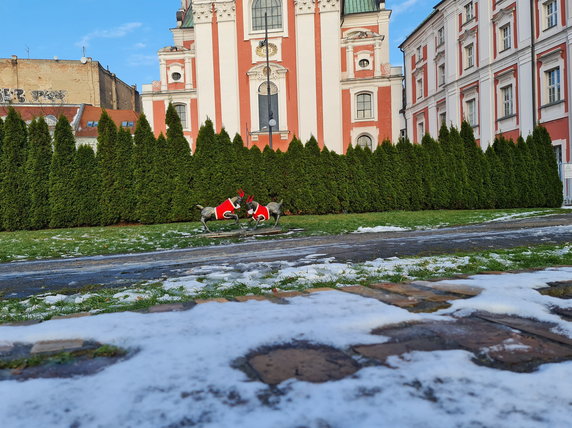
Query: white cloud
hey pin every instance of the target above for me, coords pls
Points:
(113, 33)
(403, 6)
(140, 59)
(139, 45)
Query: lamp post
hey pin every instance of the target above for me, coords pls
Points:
(271, 121)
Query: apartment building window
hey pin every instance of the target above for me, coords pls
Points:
(441, 36)
(419, 54)
(420, 130)
(506, 39)
(553, 85)
(181, 110)
(273, 8)
(469, 56)
(507, 101)
(364, 109)
(551, 13)
(471, 115)
(441, 75)
(419, 88)
(442, 118)
(469, 12)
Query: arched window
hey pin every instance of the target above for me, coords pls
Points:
(263, 106)
(364, 141)
(364, 109)
(181, 110)
(274, 10)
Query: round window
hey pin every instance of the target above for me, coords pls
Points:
(176, 76)
(363, 63)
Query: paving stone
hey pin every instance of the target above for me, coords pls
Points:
(385, 297)
(381, 351)
(248, 298)
(56, 345)
(311, 364)
(565, 313)
(527, 325)
(492, 272)
(166, 308)
(319, 290)
(286, 294)
(76, 315)
(412, 291)
(560, 289)
(22, 323)
(451, 287)
(218, 299)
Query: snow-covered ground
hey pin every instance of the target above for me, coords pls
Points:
(182, 374)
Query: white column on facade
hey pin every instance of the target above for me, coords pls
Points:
(377, 58)
(486, 110)
(202, 15)
(188, 72)
(431, 127)
(331, 73)
(306, 69)
(525, 95)
(350, 61)
(163, 71)
(228, 63)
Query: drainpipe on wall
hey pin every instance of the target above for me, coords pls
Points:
(533, 61)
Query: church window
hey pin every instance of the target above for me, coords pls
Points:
(271, 7)
(263, 114)
(181, 110)
(364, 108)
(364, 141)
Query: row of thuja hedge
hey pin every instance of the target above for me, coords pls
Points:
(47, 182)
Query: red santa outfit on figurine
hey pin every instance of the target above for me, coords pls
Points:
(226, 208)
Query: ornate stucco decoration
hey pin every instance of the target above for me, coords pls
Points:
(259, 72)
(304, 6)
(329, 5)
(467, 34)
(507, 11)
(202, 13)
(225, 11)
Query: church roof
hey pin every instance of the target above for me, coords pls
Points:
(188, 21)
(360, 6)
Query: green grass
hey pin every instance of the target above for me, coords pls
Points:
(103, 300)
(90, 241)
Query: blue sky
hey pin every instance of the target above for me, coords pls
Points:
(126, 34)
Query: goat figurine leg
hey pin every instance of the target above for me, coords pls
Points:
(203, 221)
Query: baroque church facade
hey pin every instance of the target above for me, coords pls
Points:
(328, 72)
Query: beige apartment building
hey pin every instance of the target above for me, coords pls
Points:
(58, 82)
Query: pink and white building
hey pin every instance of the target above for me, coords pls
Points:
(330, 74)
(503, 65)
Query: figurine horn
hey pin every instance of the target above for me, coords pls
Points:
(240, 193)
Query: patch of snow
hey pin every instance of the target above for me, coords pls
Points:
(50, 300)
(380, 229)
(183, 374)
(514, 216)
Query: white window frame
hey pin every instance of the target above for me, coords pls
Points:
(420, 129)
(471, 114)
(469, 12)
(505, 36)
(553, 86)
(440, 36)
(441, 74)
(420, 92)
(469, 56)
(507, 98)
(365, 134)
(365, 114)
(185, 117)
(551, 16)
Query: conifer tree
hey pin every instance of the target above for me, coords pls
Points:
(384, 181)
(473, 164)
(505, 150)
(436, 184)
(523, 174)
(203, 187)
(62, 193)
(554, 196)
(107, 159)
(397, 174)
(413, 184)
(453, 147)
(144, 145)
(124, 175)
(14, 198)
(537, 197)
(316, 175)
(331, 180)
(161, 181)
(38, 173)
(275, 174)
(299, 196)
(87, 187)
(495, 169)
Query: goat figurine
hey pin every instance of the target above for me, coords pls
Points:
(260, 212)
(224, 211)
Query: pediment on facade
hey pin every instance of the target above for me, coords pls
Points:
(467, 34)
(168, 49)
(440, 55)
(507, 11)
(361, 34)
(259, 71)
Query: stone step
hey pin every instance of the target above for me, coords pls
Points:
(416, 292)
(451, 287)
(382, 296)
(56, 346)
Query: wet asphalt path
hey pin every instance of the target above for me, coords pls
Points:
(21, 279)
